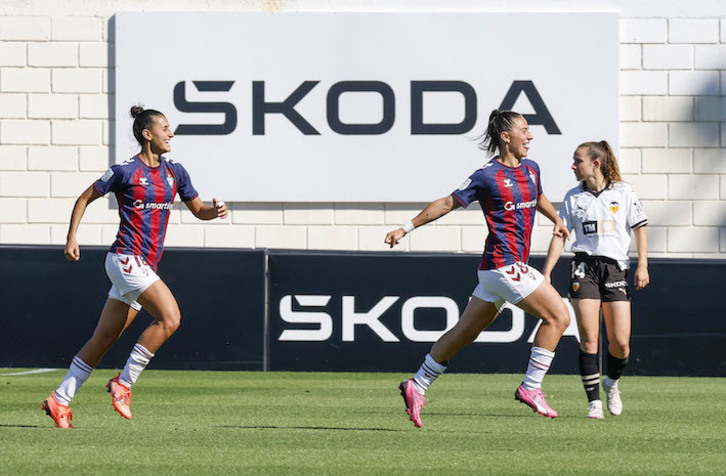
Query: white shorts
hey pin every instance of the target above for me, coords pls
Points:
(507, 284)
(130, 276)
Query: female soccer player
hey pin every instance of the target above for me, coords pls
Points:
(602, 211)
(508, 188)
(145, 187)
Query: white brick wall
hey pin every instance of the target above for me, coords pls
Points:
(56, 88)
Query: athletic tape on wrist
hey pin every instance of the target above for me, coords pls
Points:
(408, 227)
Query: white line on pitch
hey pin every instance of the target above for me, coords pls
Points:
(29, 372)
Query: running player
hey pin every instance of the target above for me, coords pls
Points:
(602, 210)
(509, 190)
(145, 186)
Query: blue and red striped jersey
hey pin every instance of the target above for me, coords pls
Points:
(508, 197)
(145, 196)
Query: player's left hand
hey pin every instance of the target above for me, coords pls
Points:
(561, 230)
(221, 208)
(642, 278)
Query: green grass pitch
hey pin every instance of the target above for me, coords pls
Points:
(354, 423)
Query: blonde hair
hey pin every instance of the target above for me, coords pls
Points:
(608, 163)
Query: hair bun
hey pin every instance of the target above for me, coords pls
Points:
(136, 110)
(493, 115)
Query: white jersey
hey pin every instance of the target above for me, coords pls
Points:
(602, 221)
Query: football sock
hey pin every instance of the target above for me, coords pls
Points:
(539, 363)
(78, 373)
(429, 371)
(616, 366)
(590, 374)
(137, 362)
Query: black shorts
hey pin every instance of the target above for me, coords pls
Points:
(598, 277)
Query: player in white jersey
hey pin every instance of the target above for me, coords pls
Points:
(602, 211)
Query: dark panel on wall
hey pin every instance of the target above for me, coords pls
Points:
(50, 308)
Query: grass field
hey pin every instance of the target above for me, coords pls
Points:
(345, 423)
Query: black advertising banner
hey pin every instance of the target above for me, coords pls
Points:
(50, 307)
(374, 312)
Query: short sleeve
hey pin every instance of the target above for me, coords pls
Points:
(636, 214)
(467, 191)
(185, 189)
(565, 212)
(538, 175)
(109, 181)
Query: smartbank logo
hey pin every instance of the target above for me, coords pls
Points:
(263, 106)
(139, 205)
(509, 206)
(316, 319)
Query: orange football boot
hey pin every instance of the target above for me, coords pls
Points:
(120, 397)
(61, 414)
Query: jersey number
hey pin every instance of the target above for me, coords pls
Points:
(579, 271)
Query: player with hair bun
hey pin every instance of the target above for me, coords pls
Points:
(509, 189)
(603, 211)
(145, 186)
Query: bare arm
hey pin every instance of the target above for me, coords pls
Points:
(642, 278)
(553, 255)
(433, 211)
(73, 251)
(205, 212)
(544, 206)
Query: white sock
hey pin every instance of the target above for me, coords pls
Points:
(137, 362)
(429, 371)
(78, 373)
(539, 363)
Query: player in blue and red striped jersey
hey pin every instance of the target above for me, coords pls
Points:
(145, 186)
(509, 190)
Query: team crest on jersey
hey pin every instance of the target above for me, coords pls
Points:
(614, 207)
(170, 180)
(143, 181)
(575, 286)
(533, 177)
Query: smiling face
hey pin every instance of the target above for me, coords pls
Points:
(583, 165)
(159, 135)
(517, 140)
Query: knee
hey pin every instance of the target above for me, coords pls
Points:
(619, 350)
(560, 318)
(589, 345)
(170, 321)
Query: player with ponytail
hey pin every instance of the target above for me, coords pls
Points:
(602, 211)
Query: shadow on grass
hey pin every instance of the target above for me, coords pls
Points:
(272, 427)
(21, 426)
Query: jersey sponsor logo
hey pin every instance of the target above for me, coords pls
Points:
(614, 207)
(466, 183)
(510, 206)
(140, 205)
(106, 175)
(616, 284)
(602, 227)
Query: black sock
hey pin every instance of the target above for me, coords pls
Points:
(616, 366)
(590, 374)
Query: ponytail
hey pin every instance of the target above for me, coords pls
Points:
(499, 121)
(608, 163)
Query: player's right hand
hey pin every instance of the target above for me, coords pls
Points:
(73, 251)
(393, 237)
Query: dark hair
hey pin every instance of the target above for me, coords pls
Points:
(499, 121)
(143, 119)
(608, 164)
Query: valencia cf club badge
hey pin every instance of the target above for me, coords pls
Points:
(614, 207)
(575, 286)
